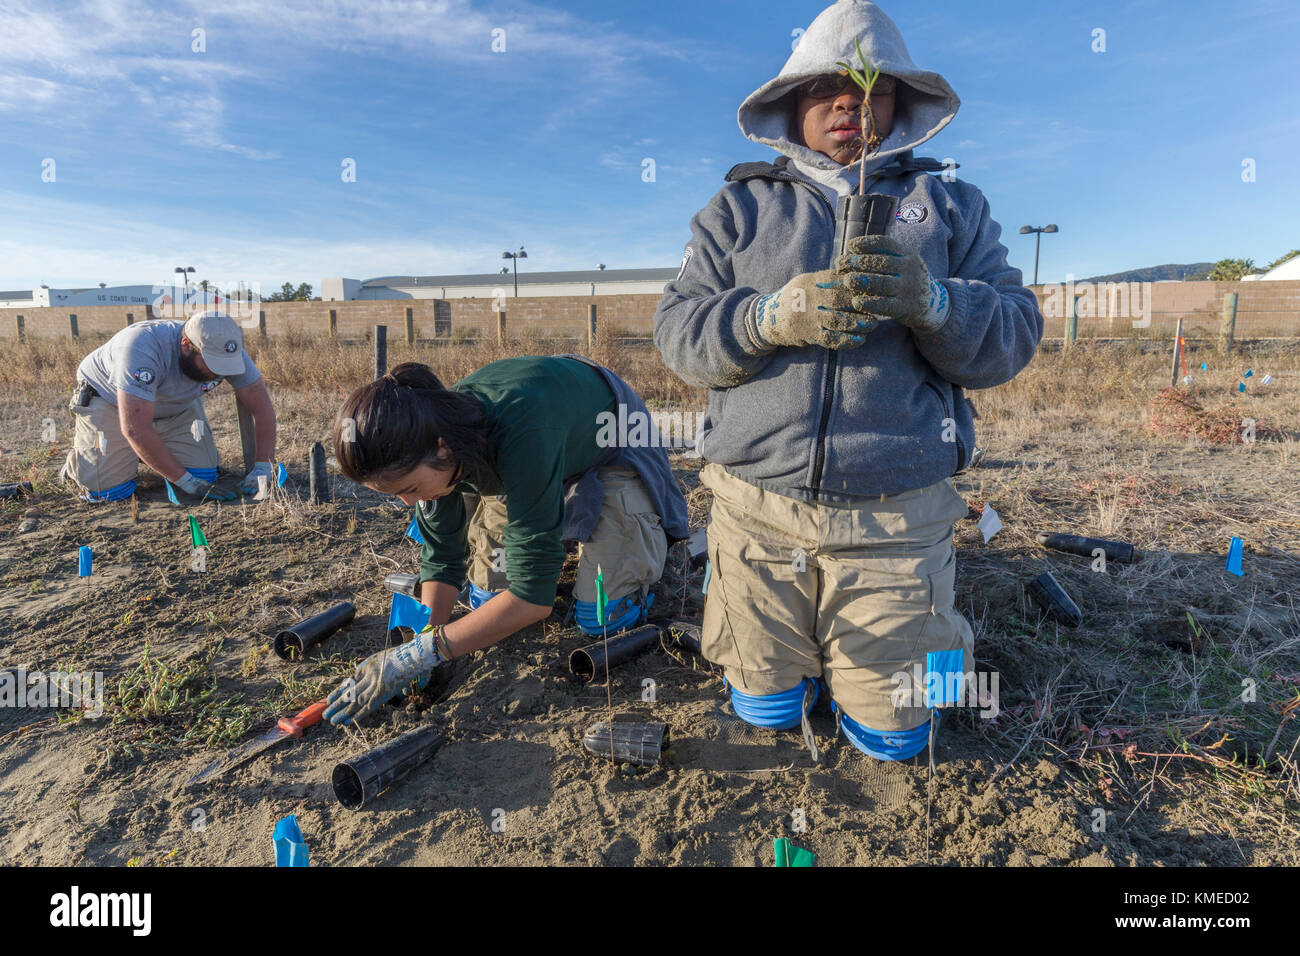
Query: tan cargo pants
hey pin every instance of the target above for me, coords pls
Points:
(855, 594)
(628, 544)
(94, 471)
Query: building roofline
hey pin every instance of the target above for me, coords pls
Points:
(530, 278)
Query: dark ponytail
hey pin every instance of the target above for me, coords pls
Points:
(397, 421)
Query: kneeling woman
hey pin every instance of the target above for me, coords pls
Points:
(522, 433)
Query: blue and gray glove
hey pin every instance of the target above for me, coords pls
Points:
(898, 284)
(813, 308)
(382, 676)
(191, 484)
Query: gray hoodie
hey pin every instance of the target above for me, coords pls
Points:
(889, 416)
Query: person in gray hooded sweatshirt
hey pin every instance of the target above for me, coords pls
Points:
(836, 416)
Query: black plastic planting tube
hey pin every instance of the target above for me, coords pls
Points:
(295, 641)
(400, 583)
(641, 744)
(685, 634)
(1118, 551)
(359, 780)
(590, 662)
(1051, 597)
(15, 489)
(857, 216)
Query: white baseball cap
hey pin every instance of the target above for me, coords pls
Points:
(220, 340)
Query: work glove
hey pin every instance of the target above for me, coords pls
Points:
(249, 484)
(898, 282)
(219, 490)
(382, 676)
(813, 308)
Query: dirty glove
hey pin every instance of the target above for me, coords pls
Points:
(249, 484)
(814, 308)
(382, 676)
(899, 284)
(191, 484)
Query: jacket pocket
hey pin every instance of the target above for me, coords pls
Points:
(948, 415)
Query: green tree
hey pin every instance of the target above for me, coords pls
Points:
(1231, 270)
(302, 293)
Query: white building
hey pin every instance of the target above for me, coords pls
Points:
(1287, 270)
(590, 282)
(141, 295)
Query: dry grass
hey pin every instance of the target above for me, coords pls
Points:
(1180, 689)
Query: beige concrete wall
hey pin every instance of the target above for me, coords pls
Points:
(1264, 309)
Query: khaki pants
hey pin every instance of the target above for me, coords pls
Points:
(97, 472)
(628, 544)
(855, 594)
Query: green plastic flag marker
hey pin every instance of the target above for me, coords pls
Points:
(601, 599)
(196, 534)
(787, 854)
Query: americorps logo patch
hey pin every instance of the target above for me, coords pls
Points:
(912, 213)
(142, 375)
(232, 346)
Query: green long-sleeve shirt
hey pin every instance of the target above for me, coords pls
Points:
(542, 423)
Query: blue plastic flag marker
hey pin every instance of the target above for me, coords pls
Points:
(290, 847)
(1249, 373)
(1234, 558)
(84, 559)
(1202, 366)
(281, 476)
(408, 612)
(413, 532)
(1241, 386)
(171, 493)
(944, 677)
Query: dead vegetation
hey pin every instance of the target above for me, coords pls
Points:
(1172, 708)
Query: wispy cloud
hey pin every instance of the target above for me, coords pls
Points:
(92, 55)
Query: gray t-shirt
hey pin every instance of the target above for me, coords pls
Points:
(144, 360)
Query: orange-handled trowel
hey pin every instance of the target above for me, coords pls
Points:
(286, 728)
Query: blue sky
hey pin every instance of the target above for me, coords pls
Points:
(230, 160)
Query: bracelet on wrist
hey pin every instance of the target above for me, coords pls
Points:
(440, 642)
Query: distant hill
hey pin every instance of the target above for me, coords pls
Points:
(1195, 270)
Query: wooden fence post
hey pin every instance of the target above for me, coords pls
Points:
(72, 323)
(1178, 354)
(381, 350)
(18, 326)
(501, 327)
(334, 323)
(1072, 322)
(591, 327)
(410, 326)
(1228, 323)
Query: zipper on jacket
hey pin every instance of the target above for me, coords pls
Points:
(832, 365)
(947, 413)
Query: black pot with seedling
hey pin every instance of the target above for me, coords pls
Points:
(859, 215)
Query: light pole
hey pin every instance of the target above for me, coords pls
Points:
(185, 288)
(1038, 238)
(515, 257)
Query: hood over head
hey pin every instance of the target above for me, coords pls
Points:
(925, 103)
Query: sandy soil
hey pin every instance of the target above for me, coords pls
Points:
(512, 783)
